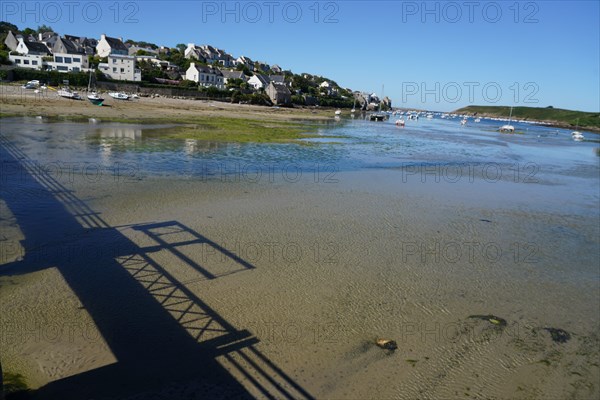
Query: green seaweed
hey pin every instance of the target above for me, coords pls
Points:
(15, 386)
(500, 322)
(559, 335)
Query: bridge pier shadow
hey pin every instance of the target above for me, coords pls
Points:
(160, 332)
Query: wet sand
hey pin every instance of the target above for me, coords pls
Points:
(335, 266)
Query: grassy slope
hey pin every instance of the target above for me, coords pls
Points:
(553, 115)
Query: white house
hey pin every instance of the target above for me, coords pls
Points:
(65, 62)
(325, 84)
(192, 51)
(258, 81)
(108, 45)
(121, 68)
(69, 56)
(245, 61)
(26, 47)
(205, 76)
(32, 61)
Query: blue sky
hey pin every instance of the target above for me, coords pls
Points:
(434, 55)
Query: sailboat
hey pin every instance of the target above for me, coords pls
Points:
(508, 128)
(353, 107)
(92, 95)
(379, 116)
(576, 135)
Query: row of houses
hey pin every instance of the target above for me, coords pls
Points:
(274, 85)
(49, 51)
(212, 55)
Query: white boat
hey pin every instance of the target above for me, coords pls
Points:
(68, 94)
(429, 116)
(508, 128)
(400, 122)
(119, 96)
(577, 136)
(477, 119)
(463, 122)
(338, 112)
(353, 107)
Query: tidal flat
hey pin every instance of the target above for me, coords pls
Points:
(173, 267)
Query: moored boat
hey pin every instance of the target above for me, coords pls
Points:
(119, 96)
(68, 94)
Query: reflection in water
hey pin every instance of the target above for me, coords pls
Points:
(120, 132)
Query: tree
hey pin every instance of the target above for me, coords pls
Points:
(28, 31)
(181, 47)
(44, 28)
(7, 26)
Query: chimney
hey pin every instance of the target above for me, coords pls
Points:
(40, 36)
(103, 36)
(121, 39)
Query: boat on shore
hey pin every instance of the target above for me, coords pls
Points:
(67, 93)
(93, 96)
(119, 96)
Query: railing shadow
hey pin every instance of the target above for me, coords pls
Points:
(160, 332)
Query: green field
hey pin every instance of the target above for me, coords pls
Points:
(555, 116)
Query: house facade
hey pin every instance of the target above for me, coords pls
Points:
(122, 68)
(279, 93)
(31, 61)
(65, 62)
(11, 41)
(205, 76)
(246, 61)
(227, 75)
(108, 45)
(33, 48)
(258, 81)
(69, 56)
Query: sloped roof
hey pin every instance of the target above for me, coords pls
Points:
(70, 46)
(280, 88)
(116, 44)
(37, 47)
(263, 79)
(233, 74)
(277, 78)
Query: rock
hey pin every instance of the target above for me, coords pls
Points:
(559, 335)
(387, 344)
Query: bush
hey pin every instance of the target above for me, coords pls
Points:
(53, 78)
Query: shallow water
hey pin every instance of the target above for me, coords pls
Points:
(316, 249)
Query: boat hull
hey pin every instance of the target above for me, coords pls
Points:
(96, 101)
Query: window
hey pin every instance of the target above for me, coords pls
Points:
(18, 61)
(62, 68)
(58, 59)
(25, 61)
(114, 69)
(114, 60)
(67, 60)
(75, 69)
(76, 60)
(122, 70)
(34, 62)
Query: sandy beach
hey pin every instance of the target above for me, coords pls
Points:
(179, 285)
(19, 101)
